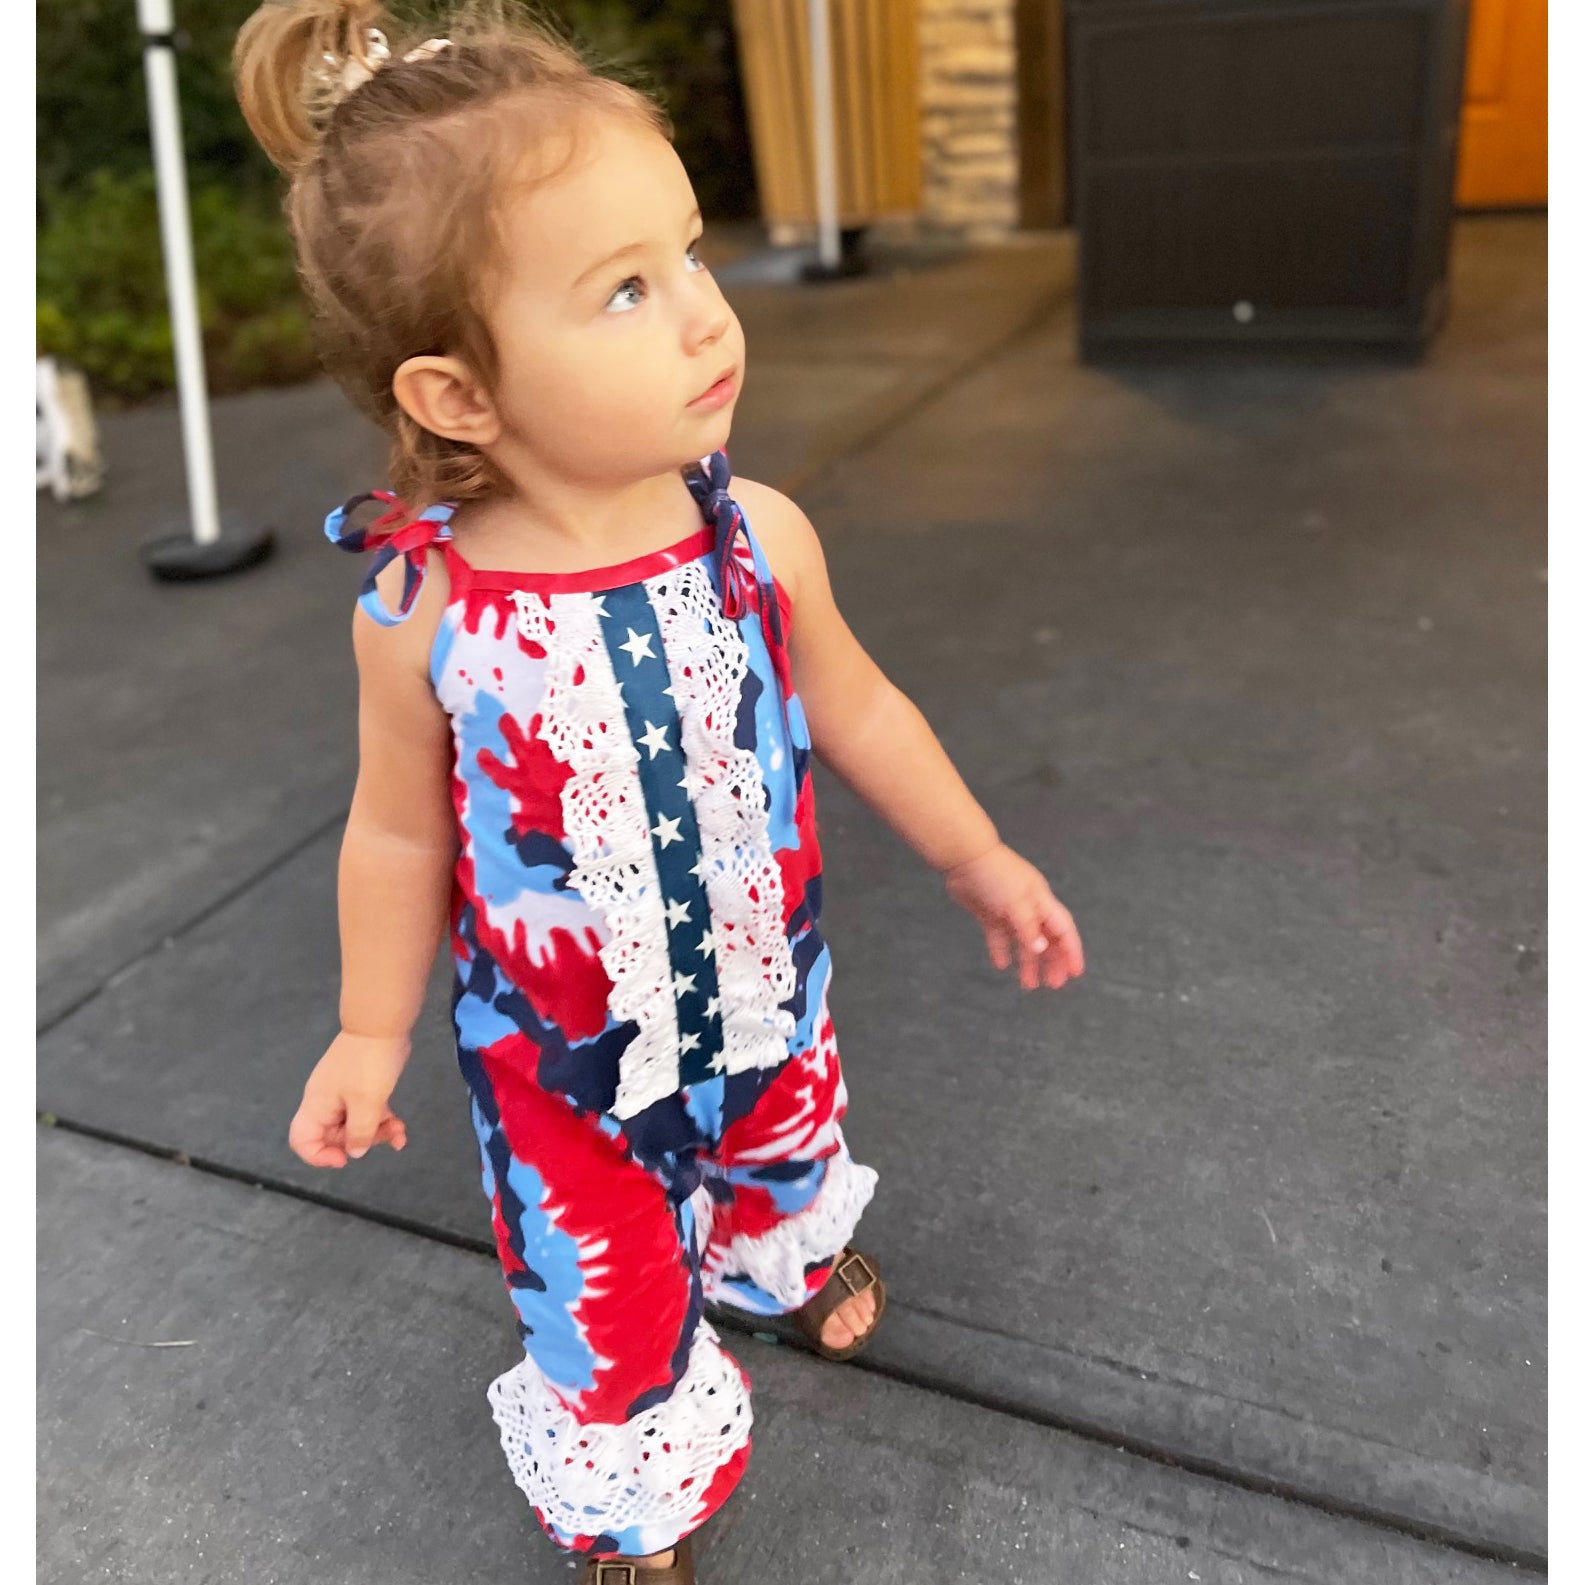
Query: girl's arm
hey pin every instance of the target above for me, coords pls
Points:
(394, 885)
(875, 738)
(401, 842)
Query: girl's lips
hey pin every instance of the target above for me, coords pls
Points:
(718, 395)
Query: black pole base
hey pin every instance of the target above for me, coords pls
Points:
(850, 260)
(179, 558)
(847, 266)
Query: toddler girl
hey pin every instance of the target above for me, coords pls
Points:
(592, 671)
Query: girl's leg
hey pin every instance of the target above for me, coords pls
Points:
(781, 1194)
(626, 1424)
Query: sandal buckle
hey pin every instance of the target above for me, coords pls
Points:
(607, 1572)
(855, 1259)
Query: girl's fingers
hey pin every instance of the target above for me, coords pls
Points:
(392, 1132)
(1029, 969)
(364, 1119)
(329, 1134)
(315, 1134)
(1070, 949)
(999, 940)
(1064, 934)
(1032, 945)
(318, 1150)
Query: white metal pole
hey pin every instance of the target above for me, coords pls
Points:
(170, 171)
(824, 133)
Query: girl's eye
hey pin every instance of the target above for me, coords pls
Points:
(622, 300)
(619, 300)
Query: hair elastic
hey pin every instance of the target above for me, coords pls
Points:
(346, 75)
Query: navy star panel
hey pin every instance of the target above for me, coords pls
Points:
(631, 630)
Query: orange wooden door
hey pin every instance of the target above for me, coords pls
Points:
(1502, 162)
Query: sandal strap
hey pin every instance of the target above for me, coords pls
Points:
(851, 1275)
(620, 1571)
(611, 1571)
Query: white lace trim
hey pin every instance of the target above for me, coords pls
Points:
(775, 1260)
(584, 725)
(708, 660)
(811, 1126)
(652, 1469)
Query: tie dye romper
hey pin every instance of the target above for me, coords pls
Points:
(640, 999)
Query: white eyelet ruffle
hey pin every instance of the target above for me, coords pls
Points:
(650, 1470)
(774, 1261)
(583, 723)
(708, 660)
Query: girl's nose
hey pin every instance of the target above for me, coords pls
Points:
(709, 318)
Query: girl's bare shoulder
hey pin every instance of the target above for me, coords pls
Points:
(405, 645)
(782, 527)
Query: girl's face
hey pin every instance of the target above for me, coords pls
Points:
(608, 328)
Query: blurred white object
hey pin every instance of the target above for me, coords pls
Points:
(824, 133)
(69, 462)
(170, 172)
(209, 549)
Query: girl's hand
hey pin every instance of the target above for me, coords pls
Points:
(345, 1106)
(1010, 898)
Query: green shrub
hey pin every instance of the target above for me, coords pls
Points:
(91, 102)
(272, 348)
(101, 288)
(101, 284)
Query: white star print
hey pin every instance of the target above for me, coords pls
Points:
(668, 831)
(698, 869)
(597, 605)
(654, 740)
(637, 646)
(690, 1042)
(682, 985)
(677, 914)
(712, 1007)
(707, 942)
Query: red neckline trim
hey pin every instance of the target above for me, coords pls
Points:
(590, 579)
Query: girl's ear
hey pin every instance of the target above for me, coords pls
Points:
(443, 396)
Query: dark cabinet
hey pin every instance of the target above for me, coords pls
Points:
(1263, 170)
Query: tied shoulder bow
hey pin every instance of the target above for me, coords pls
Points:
(395, 533)
(709, 480)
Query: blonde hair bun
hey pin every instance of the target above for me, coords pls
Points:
(295, 60)
(397, 147)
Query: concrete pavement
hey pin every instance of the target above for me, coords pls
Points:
(242, 1389)
(1249, 656)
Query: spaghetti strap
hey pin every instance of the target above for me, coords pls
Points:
(459, 570)
(395, 533)
(709, 479)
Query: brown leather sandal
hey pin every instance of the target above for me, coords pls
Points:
(851, 1275)
(623, 1571)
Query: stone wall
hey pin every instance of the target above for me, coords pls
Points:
(968, 93)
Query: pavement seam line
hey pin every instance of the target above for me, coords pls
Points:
(860, 440)
(169, 937)
(1531, 1562)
